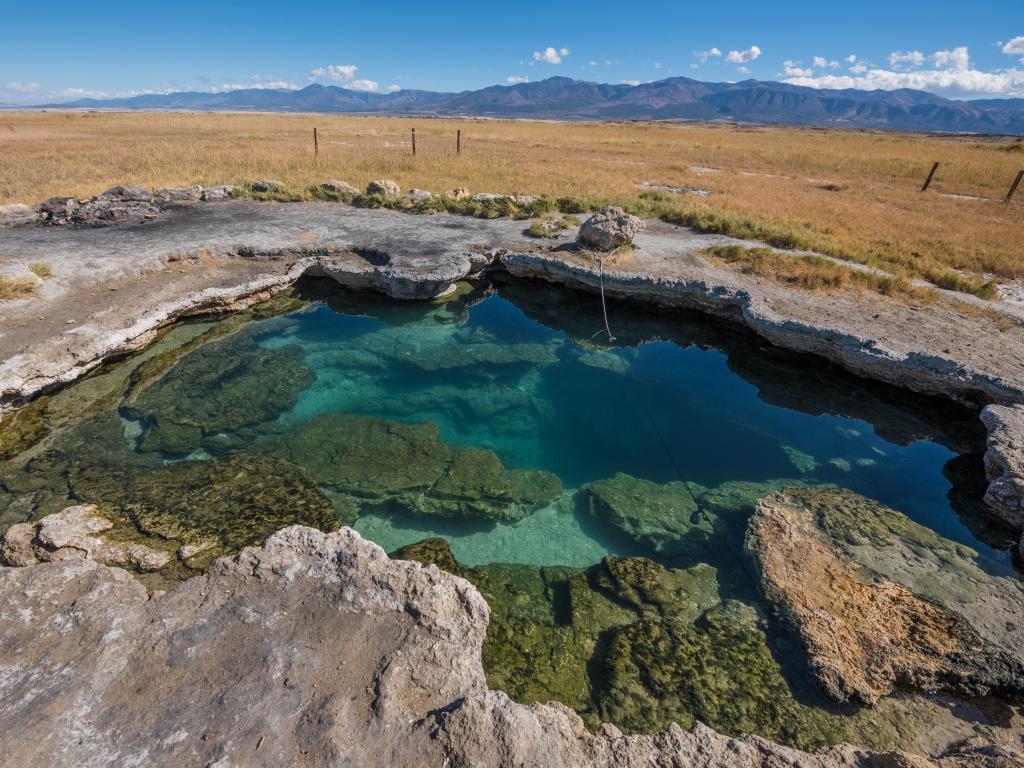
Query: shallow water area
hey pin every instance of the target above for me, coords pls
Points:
(568, 474)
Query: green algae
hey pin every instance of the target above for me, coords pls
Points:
(23, 428)
(633, 643)
(380, 462)
(219, 387)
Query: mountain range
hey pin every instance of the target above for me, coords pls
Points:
(675, 98)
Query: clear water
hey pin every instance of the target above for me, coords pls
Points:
(664, 407)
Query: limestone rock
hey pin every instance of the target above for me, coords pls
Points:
(119, 205)
(385, 187)
(339, 187)
(76, 532)
(220, 192)
(178, 194)
(866, 635)
(58, 210)
(418, 195)
(609, 228)
(312, 649)
(1004, 461)
(18, 215)
(132, 193)
(267, 185)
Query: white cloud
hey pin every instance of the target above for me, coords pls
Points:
(513, 79)
(906, 59)
(258, 82)
(793, 69)
(631, 82)
(851, 59)
(821, 63)
(743, 70)
(1015, 47)
(957, 60)
(339, 73)
(13, 86)
(362, 85)
(709, 54)
(952, 75)
(744, 57)
(657, 65)
(551, 55)
(394, 87)
(591, 63)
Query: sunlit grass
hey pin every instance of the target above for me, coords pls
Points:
(41, 269)
(848, 194)
(17, 287)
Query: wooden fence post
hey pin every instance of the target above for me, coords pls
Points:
(458, 142)
(414, 141)
(1013, 187)
(931, 175)
(316, 144)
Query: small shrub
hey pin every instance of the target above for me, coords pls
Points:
(17, 287)
(41, 269)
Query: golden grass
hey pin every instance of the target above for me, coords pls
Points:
(17, 287)
(41, 269)
(848, 194)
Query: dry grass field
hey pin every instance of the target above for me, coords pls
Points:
(849, 194)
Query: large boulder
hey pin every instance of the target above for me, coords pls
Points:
(219, 192)
(1004, 461)
(131, 204)
(608, 229)
(865, 633)
(385, 187)
(18, 215)
(58, 210)
(339, 187)
(131, 193)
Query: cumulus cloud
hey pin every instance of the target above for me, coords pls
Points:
(513, 79)
(951, 74)
(631, 82)
(851, 59)
(362, 85)
(339, 73)
(551, 55)
(394, 87)
(12, 86)
(712, 53)
(822, 63)
(1015, 47)
(744, 57)
(906, 59)
(793, 69)
(258, 82)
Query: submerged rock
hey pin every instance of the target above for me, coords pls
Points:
(23, 428)
(1004, 462)
(635, 644)
(77, 532)
(609, 228)
(213, 507)
(385, 462)
(664, 518)
(218, 388)
(865, 634)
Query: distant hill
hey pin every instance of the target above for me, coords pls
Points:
(676, 98)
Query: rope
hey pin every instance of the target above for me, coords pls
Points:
(604, 308)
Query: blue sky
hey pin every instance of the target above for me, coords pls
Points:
(65, 50)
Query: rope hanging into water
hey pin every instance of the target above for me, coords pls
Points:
(604, 308)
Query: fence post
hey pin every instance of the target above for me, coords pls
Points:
(1013, 187)
(414, 141)
(316, 144)
(931, 175)
(458, 142)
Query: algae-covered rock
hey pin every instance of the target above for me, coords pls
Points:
(865, 634)
(630, 642)
(380, 462)
(217, 506)
(22, 428)
(219, 387)
(662, 517)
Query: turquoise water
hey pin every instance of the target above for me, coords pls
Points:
(670, 400)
